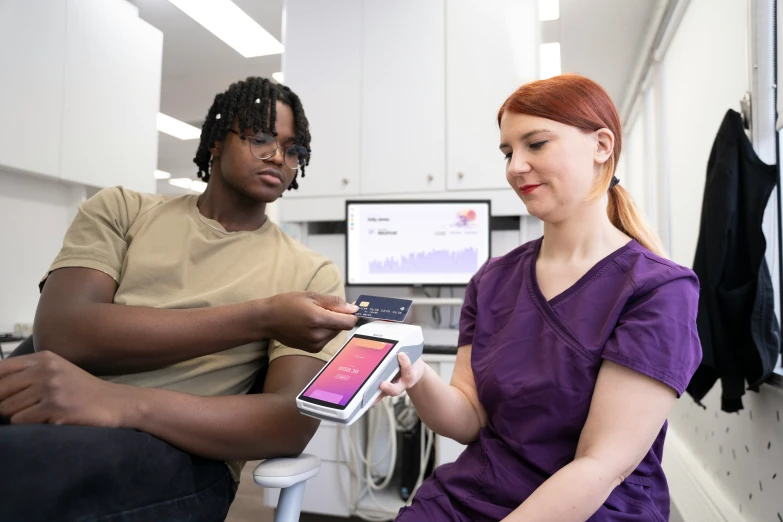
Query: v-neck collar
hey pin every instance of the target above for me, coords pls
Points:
(547, 307)
(582, 281)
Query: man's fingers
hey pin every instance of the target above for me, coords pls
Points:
(36, 414)
(26, 398)
(338, 321)
(14, 365)
(14, 383)
(334, 303)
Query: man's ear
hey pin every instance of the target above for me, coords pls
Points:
(216, 149)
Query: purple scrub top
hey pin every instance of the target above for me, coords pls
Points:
(536, 363)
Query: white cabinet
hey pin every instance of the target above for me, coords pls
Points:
(112, 95)
(322, 65)
(80, 91)
(491, 49)
(414, 113)
(32, 34)
(403, 138)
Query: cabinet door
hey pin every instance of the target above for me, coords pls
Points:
(403, 109)
(112, 95)
(32, 36)
(322, 65)
(491, 49)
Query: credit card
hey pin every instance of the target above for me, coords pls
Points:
(386, 308)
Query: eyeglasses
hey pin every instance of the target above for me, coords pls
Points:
(263, 146)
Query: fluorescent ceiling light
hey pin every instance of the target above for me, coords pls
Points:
(189, 184)
(548, 10)
(278, 76)
(550, 60)
(181, 182)
(198, 186)
(162, 174)
(232, 25)
(176, 128)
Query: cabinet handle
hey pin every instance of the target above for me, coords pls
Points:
(460, 175)
(430, 177)
(346, 181)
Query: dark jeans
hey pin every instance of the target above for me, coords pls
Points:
(74, 473)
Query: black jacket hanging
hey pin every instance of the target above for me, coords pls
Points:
(739, 332)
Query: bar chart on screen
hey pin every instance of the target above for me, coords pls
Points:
(414, 243)
(430, 262)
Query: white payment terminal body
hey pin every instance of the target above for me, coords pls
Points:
(350, 382)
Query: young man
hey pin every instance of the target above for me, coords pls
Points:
(178, 304)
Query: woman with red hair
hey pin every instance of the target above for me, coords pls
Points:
(573, 347)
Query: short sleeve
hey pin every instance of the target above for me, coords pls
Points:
(326, 280)
(97, 237)
(656, 334)
(467, 317)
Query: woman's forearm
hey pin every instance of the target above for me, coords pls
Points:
(444, 408)
(573, 494)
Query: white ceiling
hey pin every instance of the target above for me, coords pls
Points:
(601, 39)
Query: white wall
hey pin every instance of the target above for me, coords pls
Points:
(742, 453)
(634, 175)
(34, 215)
(703, 74)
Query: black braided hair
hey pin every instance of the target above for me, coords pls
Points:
(240, 101)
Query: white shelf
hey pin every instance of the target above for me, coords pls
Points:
(436, 301)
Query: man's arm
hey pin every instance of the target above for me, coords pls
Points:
(76, 318)
(45, 388)
(243, 427)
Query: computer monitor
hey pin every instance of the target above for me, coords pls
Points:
(426, 243)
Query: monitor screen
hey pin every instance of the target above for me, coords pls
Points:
(415, 242)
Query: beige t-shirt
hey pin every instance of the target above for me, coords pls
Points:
(164, 254)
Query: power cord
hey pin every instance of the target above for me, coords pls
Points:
(400, 416)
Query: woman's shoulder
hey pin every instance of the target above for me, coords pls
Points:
(647, 270)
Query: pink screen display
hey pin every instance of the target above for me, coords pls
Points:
(348, 371)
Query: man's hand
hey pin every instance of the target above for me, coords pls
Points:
(45, 388)
(306, 320)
